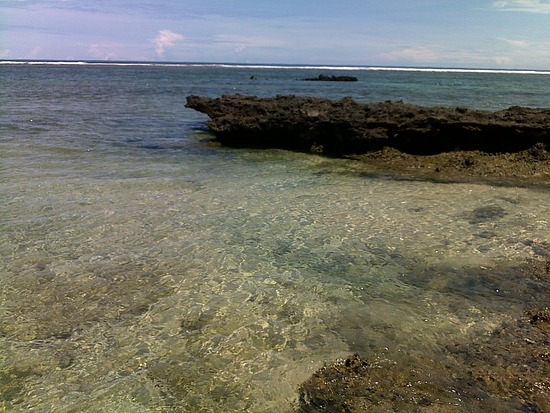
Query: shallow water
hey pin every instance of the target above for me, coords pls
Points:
(145, 270)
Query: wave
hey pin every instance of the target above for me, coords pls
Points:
(374, 68)
(276, 66)
(82, 63)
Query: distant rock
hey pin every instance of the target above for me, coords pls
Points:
(324, 78)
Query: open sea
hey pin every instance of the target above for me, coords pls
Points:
(143, 269)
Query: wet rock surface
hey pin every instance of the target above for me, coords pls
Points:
(507, 372)
(514, 362)
(444, 144)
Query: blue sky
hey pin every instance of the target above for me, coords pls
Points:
(442, 33)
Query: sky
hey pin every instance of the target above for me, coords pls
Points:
(511, 34)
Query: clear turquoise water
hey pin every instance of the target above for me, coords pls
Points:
(143, 269)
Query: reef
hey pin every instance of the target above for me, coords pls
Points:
(427, 142)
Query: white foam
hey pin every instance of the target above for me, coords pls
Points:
(276, 66)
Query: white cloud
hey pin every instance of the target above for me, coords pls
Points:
(166, 38)
(520, 44)
(417, 54)
(242, 42)
(530, 6)
(241, 45)
(240, 49)
(502, 61)
(101, 52)
(34, 53)
(4, 53)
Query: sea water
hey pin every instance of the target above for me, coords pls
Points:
(144, 269)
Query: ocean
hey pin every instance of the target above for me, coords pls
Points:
(145, 269)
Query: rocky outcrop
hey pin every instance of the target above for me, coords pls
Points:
(346, 127)
(325, 78)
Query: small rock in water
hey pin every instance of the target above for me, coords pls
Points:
(486, 213)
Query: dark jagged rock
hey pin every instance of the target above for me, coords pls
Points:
(325, 78)
(346, 127)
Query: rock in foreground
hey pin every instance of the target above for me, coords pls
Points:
(505, 372)
(346, 127)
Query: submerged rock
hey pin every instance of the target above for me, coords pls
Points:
(508, 371)
(514, 362)
(486, 214)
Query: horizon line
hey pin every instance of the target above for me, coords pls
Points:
(448, 69)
